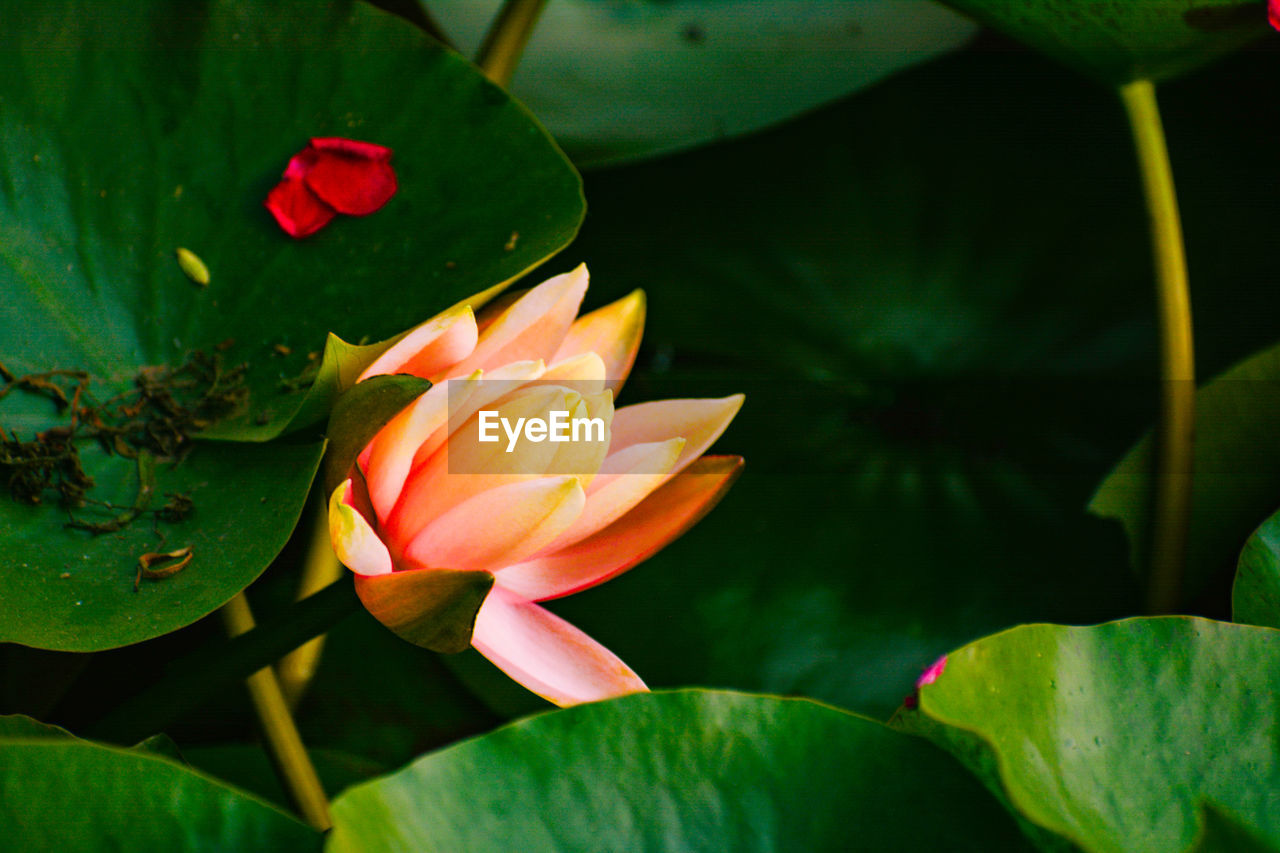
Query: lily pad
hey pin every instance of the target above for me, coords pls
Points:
(1113, 736)
(1123, 40)
(69, 794)
(617, 81)
(692, 770)
(132, 130)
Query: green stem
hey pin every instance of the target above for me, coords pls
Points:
(507, 36)
(1171, 507)
(283, 740)
(196, 678)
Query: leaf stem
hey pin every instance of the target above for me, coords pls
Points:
(277, 723)
(320, 569)
(192, 680)
(504, 43)
(1171, 507)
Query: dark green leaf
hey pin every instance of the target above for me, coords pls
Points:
(618, 82)
(693, 770)
(357, 416)
(1237, 471)
(1221, 833)
(77, 795)
(135, 128)
(1112, 736)
(69, 590)
(1123, 40)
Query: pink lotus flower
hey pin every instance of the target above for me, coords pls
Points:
(328, 177)
(414, 529)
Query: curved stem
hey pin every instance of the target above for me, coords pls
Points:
(278, 725)
(1171, 507)
(320, 569)
(505, 41)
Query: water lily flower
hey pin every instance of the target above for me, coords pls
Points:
(454, 542)
(328, 177)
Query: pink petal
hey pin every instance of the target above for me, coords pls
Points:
(548, 655)
(698, 422)
(532, 328)
(298, 211)
(612, 332)
(1273, 13)
(352, 177)
(432, 347)
(355, 542)
(931, 674)
(502, 525)
(658, 520)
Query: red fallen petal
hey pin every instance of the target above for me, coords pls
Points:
(351, 148)
(297, 209)
(300, 164)
(349, 185)
(1273, 13)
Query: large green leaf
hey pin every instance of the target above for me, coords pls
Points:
(615, 81)
(69, 794)
(1236, 483)
(131, 129)
(65, 589)
(1112, 736)
(693, 770)
(1255, 596)
(1123, 40)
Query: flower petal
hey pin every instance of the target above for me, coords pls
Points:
(698, 422)
(389, 457)
(635, 473)
(355, 542)
(548, 655)
(437, 344)
(465, 466)
(353, 148)
(298, 211)
(532, 328)
(502, 525)
(638, 535)
(612, 332)
(352, 177)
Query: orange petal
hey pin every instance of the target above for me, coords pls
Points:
(432, 347)
(698, 422)
(611, 495)
(354, 541)
(584, 373)
(389, 457)
(548, 655)
(503, 525)
(532, 328)
(638, 535)
(612, 332)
